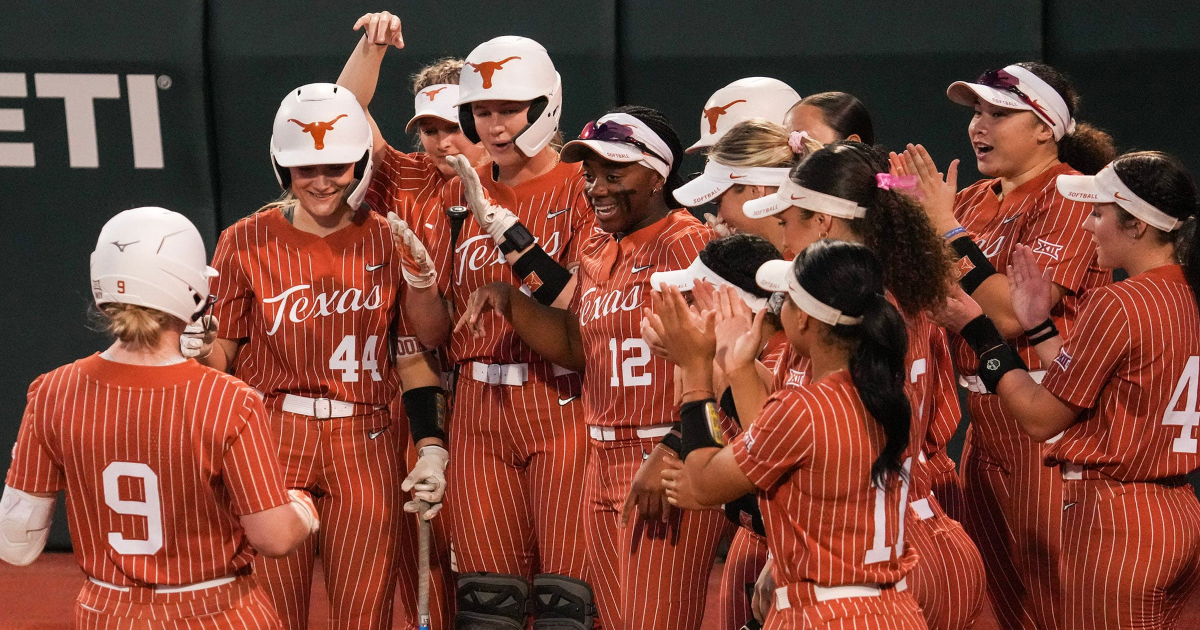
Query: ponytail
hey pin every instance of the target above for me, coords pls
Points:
(877, 368)
(1087, 149)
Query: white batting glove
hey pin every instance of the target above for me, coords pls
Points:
(303, 504)
(428, 481)
(197, 339)
(493, 219)
(417, 265)
(719, 225)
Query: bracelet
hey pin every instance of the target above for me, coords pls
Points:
(1044, 331)
(955, 232)
(707, 393)
(674, 439)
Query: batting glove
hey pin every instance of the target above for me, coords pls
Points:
(493, 219)
(303, 504)
(428, 481)
(197, 339)
(417, 265)
(718, 225)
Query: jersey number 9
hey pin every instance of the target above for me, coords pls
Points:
(150, 508)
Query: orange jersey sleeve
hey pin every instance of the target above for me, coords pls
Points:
(404, 183)
(35, 467)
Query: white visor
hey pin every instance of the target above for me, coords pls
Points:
(777, 276)
(660, 162)
(717, 178)
(1107, 187)
(1051, 108)
(792, 194)
(437, 101)
(685, 279)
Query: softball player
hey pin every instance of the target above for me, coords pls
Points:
(830, 452)
(649, 571)
(744, 99)
(831, 116)
(171, 478)
(1025, 136)
(307, 300)
(1120, 392)
(841, 192)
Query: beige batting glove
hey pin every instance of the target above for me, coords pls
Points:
(493, 219)
(718, 225)
(197, 339)
(415, 261)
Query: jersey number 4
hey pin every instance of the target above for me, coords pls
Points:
(150, 508)
(1189, 417)
(345, 359)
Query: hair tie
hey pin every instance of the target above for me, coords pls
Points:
(796, 142)
(887, 181)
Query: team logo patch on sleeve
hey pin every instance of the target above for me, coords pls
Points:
(714, 424)
(1046, 248)
(1063, 360)
(965, 266)
(533, 281)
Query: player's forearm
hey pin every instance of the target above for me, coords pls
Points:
(426, 312)
(1048, 350)
(713, 482)
(360, 75)
(994, 298)
(275, 532)
(1039, 414)
(558, 283)
(551, 332)
(749, 394)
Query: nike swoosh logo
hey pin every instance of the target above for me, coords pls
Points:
(551, 215)
(1118, 196)
(374, 434)
(563, 402)
(795, 198)
(1069, 504)
(735, 176)
(1011, 219)
(374, 267)
(640, 269)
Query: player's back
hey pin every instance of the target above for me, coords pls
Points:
(158, 463)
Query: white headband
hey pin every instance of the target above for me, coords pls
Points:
(792, 194)
(717, 178)
(1107, 187)
(771, 276)
(646, 136)
(1048, 98)
(686, 279)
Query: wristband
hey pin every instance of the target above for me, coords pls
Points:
(1044, 331)
(955, 232)
(701, 426)
(997, 362)
(744, 512)
(426, 411)
(727, 404)
(981, 334)
(544, 277)
(516, 238)
(674, 439)
(973, 265)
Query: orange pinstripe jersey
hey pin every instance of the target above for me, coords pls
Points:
(157, 462)
(315, 312)
(810, 455)
(408, 184)
(1133, 365)
(625, 384)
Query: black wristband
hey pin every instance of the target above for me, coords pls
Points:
(701, 426)
(426, 410)
(973, 266)
(744, 512)
(997, 362)
(981, 334)
(516, 238)
(727, 404)
(544, 277)
(674, 439)
(1044, 331)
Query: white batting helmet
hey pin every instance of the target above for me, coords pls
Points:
(322, 123)
(152, 257)
(752, 97)
(512, 68)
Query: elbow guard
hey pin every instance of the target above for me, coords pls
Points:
(426, 410)
(24, 525)
(545, 278)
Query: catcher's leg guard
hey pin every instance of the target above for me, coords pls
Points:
(491, 601)
(562, 603)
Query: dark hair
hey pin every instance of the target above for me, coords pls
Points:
(844, 113)
(917, 266)
(1087, 149)
(1164, 182)
(847, 277)
(658, 123)
(737, 257)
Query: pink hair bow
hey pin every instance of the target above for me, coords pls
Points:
(796, 141)
(887, 181)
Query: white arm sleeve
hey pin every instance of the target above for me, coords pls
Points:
(24, 525)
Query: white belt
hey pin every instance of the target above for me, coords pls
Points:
(975, 384)
(1071, 471)
(198, 586)
(319, 408)
(611, 434)
(921, 509)
(515, 374)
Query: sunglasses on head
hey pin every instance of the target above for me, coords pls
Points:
(609, 131)
(1003, 80)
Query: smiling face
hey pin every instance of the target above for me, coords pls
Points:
(440, 138)
(497, 123)
(321, 189)
(729, 210)
(1007, 142)
(621, 193)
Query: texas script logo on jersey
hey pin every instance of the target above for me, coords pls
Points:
(432, 94)
(713, 113)
(300, 305)
(481, 251)
(1046, 248)
(317, 130)
(488, 68)
(593, 305)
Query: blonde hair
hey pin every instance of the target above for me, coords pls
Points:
(138, 326)
(754, 143)
(444, 70)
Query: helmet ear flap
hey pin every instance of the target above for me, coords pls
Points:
(282, 175)
(360, 167)
(536, 107)
(466, 122)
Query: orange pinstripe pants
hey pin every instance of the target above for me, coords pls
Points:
(239, 605)
(948, 581)
(745, 561)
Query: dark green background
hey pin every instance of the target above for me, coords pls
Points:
(230, 63)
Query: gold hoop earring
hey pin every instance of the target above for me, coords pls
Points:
(822, 236)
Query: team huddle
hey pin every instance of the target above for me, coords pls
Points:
(536, 351)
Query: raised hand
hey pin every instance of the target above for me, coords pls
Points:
(493, 219)
(418, 266)
(739, 331)
(718, 225)
(935, 190)
(1031, 291)
(382, 29)
(688, 337)
(197, 339)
